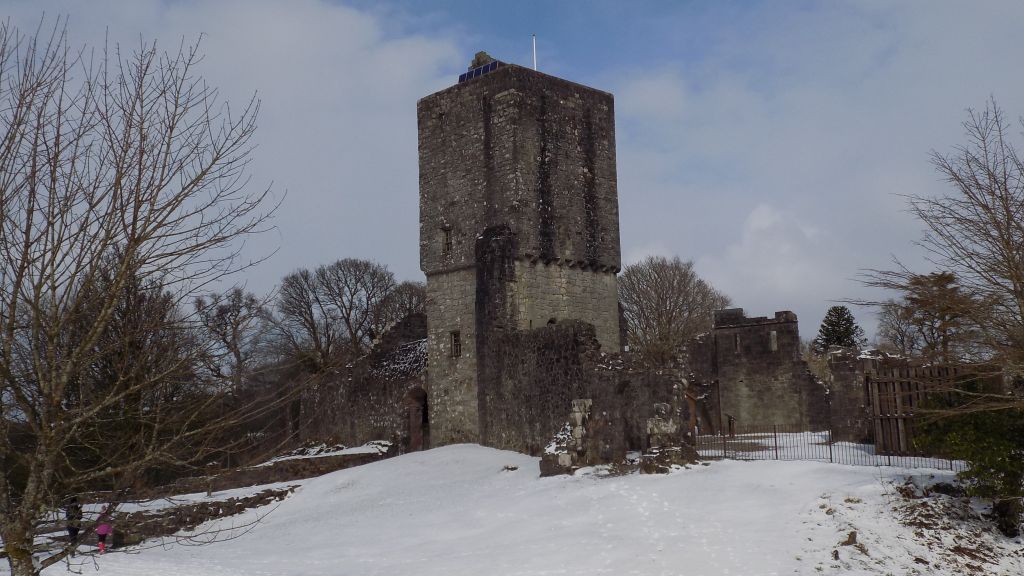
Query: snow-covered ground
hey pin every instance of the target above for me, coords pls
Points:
(323, 451)
(469, 510)
(193, 498)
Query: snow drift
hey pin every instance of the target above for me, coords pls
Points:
(471, 510)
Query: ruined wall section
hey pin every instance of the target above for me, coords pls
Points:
(371, 392)
(850, 405)
(544, 370)
(626, 395)
(538, 375)
(702, 363)
(373, 407)
(761, 377)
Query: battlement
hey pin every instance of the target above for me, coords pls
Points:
(770, 340)
(755, 369)
(570, 263)
(733, 317)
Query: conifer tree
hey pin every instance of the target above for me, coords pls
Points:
(838, 328)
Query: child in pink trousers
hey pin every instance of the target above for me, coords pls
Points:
(103, 530)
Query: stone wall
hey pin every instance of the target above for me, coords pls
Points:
(757, 374)
(519, 148)
(373, 393)
(373, 407)
(627, 395)
(546, 292)
(529, 380)
(592, 436)
(545, 369)
(537, 375)
(850, 407)
(702, 363)
(451, 306)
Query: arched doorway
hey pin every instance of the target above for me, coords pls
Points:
(417, 420)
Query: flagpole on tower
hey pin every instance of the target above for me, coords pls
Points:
(534, 51)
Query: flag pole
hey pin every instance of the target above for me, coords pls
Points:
(534, 51)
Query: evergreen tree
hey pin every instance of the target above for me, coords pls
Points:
(838, 328)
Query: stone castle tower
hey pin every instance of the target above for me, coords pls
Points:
(519, 226)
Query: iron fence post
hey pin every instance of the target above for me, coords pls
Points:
(830, 445)
(775, 435)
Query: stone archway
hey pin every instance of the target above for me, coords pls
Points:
(417, 421)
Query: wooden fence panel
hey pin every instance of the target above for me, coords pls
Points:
(897, 395)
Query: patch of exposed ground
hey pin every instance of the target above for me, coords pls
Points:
(949, 533)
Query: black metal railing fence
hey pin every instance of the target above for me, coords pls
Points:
(791, 443)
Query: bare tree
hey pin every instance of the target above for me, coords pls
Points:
(976, 233)
(666, 304)
(358, 291)
(333, 314)
(148, 355)
(328, 318)
(306, 322)
(236, 322)
(406, 299)
(121, 178)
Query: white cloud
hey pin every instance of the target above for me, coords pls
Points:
(776, 160)
(774, 262)
(772, 154)
(337, 126)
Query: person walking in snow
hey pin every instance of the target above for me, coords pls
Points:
(73, 521)
(103, 529)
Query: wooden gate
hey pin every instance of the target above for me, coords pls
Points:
(897, 395)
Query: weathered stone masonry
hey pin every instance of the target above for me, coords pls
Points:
(521, 345)
(381, 395)
(754, 372)
(518, 230)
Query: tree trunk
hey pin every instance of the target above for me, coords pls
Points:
(19, 554)
(1007, 514)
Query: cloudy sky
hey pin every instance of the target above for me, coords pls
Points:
(769, 142)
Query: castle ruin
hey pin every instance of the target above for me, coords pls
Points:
(521, 347)
(519, 227)
(755, 375)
